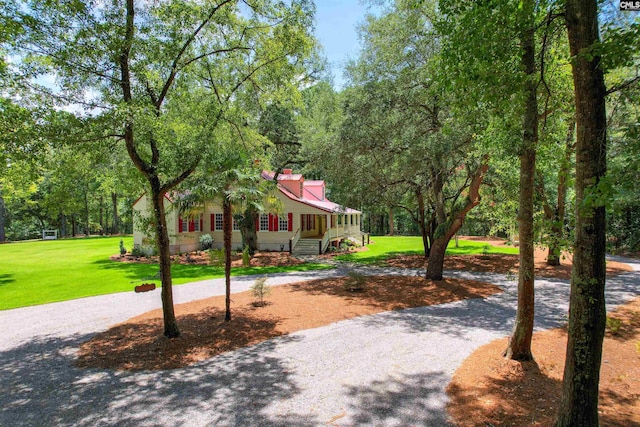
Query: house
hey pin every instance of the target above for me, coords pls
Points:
(308, 224)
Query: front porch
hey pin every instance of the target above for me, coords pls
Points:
(318, 231)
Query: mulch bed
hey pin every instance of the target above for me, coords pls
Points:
(139, 343)
(260, 259)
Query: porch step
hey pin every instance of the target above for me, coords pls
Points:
(307, 247)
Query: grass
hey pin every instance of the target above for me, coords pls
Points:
(385, 247)
(33, 273)
(41, 272)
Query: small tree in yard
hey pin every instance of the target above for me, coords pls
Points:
(260, 290)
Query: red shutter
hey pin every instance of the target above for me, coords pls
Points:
(271, 223)
(191, 225)
(290, 219)
(179, 224)
(258, 223)
(201, 222)
(333, 221)
(213, 222)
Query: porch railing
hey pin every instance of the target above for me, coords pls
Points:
(294, 240)
(324, 243)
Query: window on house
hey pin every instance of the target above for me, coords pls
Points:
(339, 219)
(283, 222)
(264, 222)
(351, 219)
(356, 219)
(236, 227)
(184, 224)
(197, 222)
(219, 222)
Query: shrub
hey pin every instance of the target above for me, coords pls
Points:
(260, 290)
(216, 257)
(613, 325)
(355, 281)
(144, 251)
(206, 241)
(123, 250)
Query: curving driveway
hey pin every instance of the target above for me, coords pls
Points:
(388, 369)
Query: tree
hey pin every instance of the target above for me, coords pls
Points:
(165, 74)
(411, 138)
(486, 65)
(519, 347)
(587, 312)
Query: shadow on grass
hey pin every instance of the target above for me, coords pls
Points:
(364, 258)
(182, 273)
(464, 248)
(41, 386)
(5, 279)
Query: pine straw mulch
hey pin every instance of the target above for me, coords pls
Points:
(488, 390)
(260, 259)
(139, 344)
(504, 264)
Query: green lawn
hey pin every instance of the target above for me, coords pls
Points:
(384, 247)
(33, 273)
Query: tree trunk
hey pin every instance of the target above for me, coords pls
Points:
(435, 263)
(445, 232)
(391, 222)
(587, 313)
(426, 241)
(519, 347)
(557, 228)
(73, 225)
(101, 215)
(86, 213)
(3, 236)
(171, 329)
(63, 225)
(114, 206)
(247, 225)
(227, 225)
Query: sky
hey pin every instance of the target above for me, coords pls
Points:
(336, 22)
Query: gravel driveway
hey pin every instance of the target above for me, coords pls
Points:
(388, 369)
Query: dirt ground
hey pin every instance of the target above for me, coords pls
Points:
(488, 390)
(139, 344)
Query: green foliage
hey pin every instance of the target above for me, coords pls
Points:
(355, 281)
(123, 250)
(613, 325)
(260, 290)
(144, 250)
(216, 257)
(206, 241)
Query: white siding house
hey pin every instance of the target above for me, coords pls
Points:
(308, 224)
